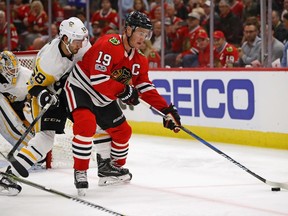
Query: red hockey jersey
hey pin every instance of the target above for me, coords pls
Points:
(227, 55)
(106, 68)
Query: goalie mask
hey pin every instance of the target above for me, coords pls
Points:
(75, 30)
(9, 67)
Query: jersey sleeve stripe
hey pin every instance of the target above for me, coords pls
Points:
(98, 79)
(144, 87)
(81, 79)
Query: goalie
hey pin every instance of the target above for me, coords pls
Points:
(15, 108)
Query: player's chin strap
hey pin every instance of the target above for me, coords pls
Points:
(128, 37)
(67, 47)
(273, 184)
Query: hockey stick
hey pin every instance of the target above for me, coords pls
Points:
(18, 166)
(273, 184)
(59, 193)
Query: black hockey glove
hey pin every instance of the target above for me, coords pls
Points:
(172, 119)
(129, 95)
(45, 96)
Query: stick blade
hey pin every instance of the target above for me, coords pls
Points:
(278, 184)
(18, 166)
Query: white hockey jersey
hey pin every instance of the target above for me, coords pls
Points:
(18, 91)
(51, 64)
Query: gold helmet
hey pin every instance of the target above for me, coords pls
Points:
(9, 67)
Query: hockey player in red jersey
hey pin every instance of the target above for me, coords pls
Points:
(112, 68)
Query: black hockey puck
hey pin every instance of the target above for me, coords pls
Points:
(275, 189)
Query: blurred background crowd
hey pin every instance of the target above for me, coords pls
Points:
(181, 36)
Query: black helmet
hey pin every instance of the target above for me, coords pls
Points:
(138, 19)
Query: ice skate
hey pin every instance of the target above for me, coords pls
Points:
(8, 186)
(80, 181)
(111, 175)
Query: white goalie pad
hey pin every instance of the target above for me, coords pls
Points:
(12, 126)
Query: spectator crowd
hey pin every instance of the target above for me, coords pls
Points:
(237, 39)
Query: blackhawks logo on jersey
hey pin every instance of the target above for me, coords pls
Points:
(152, 54)
(122, 75)
(114, 41)
(229, 49)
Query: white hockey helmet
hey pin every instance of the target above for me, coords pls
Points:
(9, 67)
(74, 29)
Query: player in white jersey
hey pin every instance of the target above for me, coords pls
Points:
(53, 64)
(13, 83)
(14, 104)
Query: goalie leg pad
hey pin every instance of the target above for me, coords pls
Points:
(36, 150)
(102, 144)
(12, 126)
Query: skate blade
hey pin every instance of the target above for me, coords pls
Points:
(82, 192)
(113, 180)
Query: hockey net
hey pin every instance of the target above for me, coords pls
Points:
(61, 155)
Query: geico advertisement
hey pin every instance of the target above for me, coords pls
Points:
(237, 100)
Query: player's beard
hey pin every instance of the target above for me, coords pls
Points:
(75, 51)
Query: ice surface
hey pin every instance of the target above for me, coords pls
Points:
(171, 177)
